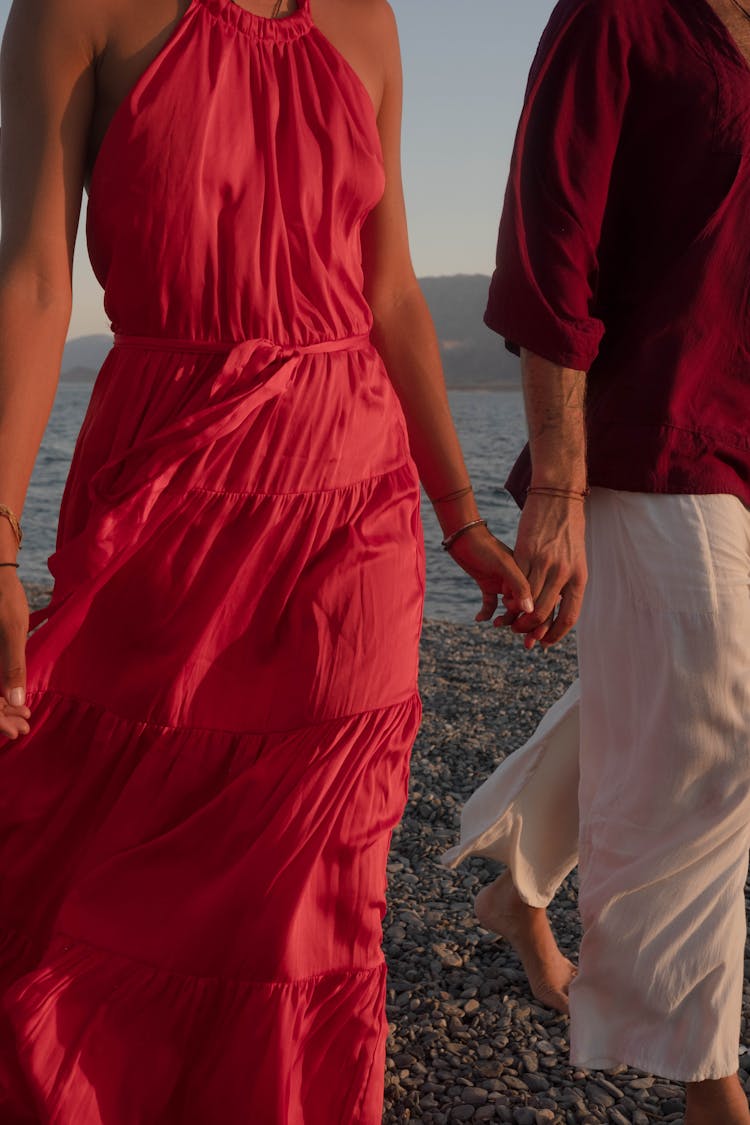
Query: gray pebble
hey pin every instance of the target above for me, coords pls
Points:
(474, 1095)
(524, 1115)
(644, 1083)
(598, 1096)
(672, 1105)
(603, 1082)
(666, 1090)
(530, 1061)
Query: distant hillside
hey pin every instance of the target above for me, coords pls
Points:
(472, 355)
(85, 375)
(83, 356)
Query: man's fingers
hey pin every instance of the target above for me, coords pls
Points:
(567, 615)
(544, 607)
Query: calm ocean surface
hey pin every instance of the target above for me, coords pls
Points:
(491, 427)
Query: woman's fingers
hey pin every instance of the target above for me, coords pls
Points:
(14, 621)
(13, 728)
(492, 566)
(13, 720)
(13, 666)
(489, 605)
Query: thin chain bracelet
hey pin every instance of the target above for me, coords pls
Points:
(452, 496)
(12, 518)
(451, 539)
(563, 493)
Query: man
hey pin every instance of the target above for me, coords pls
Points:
(623, 276)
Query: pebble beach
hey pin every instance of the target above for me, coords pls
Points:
(467, 1040)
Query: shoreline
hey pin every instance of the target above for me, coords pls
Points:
(467, 1041)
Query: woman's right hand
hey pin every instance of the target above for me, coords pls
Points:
(14, 628)
(492, 566)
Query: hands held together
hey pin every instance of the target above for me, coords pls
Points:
(541, 583)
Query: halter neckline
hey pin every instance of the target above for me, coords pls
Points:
(297, 23)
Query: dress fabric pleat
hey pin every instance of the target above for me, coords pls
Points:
(193, 838)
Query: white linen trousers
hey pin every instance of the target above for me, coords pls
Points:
(641, 774)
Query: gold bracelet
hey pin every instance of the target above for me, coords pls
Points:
(562, 493)
(12, 519)
(453, 495)
(451, 539)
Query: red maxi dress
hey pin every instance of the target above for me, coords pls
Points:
(193, 838)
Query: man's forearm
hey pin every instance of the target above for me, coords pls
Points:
(554, 397)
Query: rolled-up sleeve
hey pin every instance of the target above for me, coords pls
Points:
(543, 294)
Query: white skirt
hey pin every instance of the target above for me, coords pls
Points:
(643, 775)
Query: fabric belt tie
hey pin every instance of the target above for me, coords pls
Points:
(229, 347)
(125, 490)
(252, 372)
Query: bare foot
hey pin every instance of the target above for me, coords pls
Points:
(499, 908)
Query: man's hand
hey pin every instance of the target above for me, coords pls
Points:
(550, 551)
(550, 547)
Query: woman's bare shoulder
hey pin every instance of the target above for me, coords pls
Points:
(364, 31)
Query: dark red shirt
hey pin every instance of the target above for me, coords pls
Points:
(624, 245)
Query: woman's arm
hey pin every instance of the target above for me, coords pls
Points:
(47, 96)
(405, 336)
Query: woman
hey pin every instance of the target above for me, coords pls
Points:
(196, 803)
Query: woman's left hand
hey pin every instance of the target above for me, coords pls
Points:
(492, 566)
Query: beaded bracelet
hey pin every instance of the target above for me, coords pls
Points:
(12, 519)
(451, 539)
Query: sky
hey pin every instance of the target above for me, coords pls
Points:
(465, 65)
